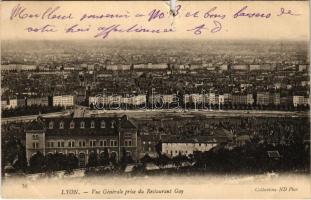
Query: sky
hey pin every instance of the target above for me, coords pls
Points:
(294, 26)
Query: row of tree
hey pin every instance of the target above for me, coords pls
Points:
(30, 110)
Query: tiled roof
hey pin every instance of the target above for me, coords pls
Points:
(118, 122)
(199, 139)
(82, 132)
(36, 125)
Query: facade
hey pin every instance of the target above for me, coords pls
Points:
(276, 99)
(197, 98)
(227, 98)
(4, 104)
(300, 100)
(187, 98)
(82, 136)
(43, 101)
(263, 98)
(239, 67)
(223, 67)
(213, 98)
(186, 147)
(64, 100)
(139, 100)
(168, 98)
(254, 67)
(221, 99)
(18, 67)
(14, 103)
(250, 99)
(239, 99)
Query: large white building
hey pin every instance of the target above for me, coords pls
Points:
(300, 100)
(81, 137)
(14, 103)
(18, 67)
(139, 100)
(168, 98)
(263, 98)
(63, 100)
(43, 101)
(186, 147)
(4, 104)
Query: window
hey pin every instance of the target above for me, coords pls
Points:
(35, 137)
(71, 144)
(35, 145)
(60, 144)
(61, 125)
(72, 124)
(50, 144)
(51, 124)
(82, 124)
(101, 143)
(92, 124)
(102, 124)
(81, 143)
(105, 143)
(113, 143)
(92, 143)
(127, 143)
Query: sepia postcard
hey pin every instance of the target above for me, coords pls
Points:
(155, 100)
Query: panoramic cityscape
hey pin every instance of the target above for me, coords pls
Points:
(167, 107)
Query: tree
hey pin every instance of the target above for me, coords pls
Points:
(37, 162)
(113, 158)
(126, 159)
(72, 161)
(50, 162)
(158, 148)
(104, 158)
(21, 162)
(62, 161)
(92, 162)
(163, 160)
(92, 106)
(146, 159)
(177, 160)
(13, 152)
